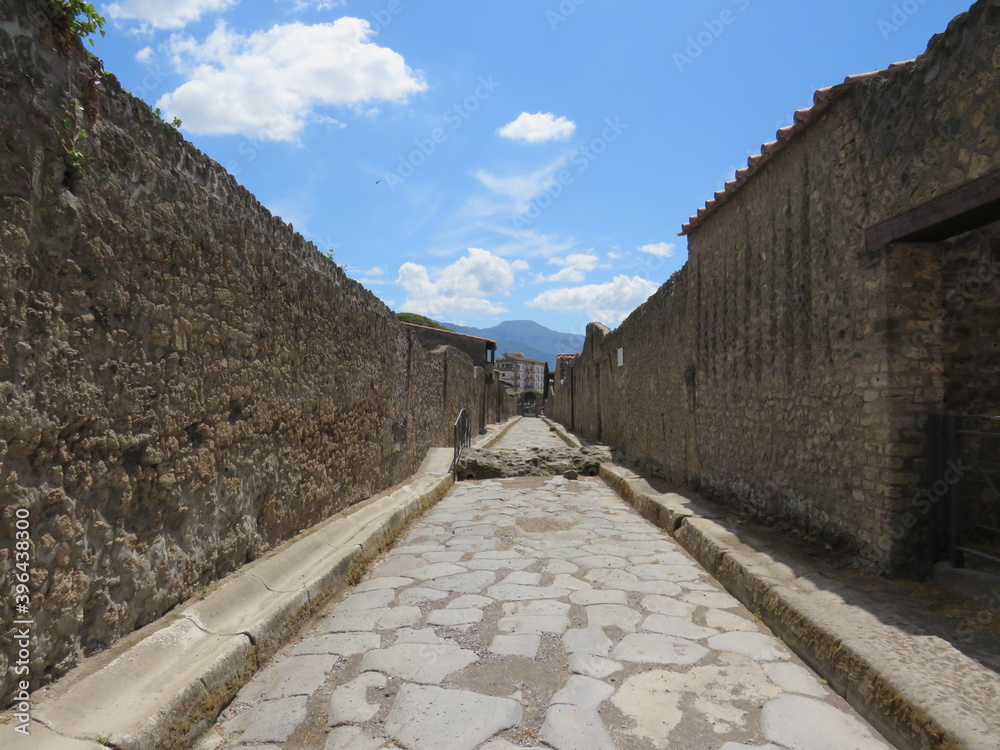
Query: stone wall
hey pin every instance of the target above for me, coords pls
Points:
(788, 368)
(185, 382)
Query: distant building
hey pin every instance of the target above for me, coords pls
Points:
(524, 373)
(482, 351)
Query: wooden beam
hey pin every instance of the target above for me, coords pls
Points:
(969, 207)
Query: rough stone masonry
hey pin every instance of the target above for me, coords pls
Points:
(790, 366)
(184, 381)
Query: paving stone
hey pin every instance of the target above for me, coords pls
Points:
(659, 588)
(593, 666)
(799, 723)
(601, 561)
(557, 567)
(727, 621)
(599, 596)
(340, 644)
(453, 617)
(478, 564)
(467, 601)
(501, 744)
(672, 573)
(367, 600)
(525, 645)
(422, 716)
(295, 675)
(383, 582)
(523, 578)
(613, 615)
(420, 594)
(609, 576)
(351, 738)
(435, 570)
(574, 728)
(571, 583)
(795, 679)
(666, 605)
(713, 599)
(419, 662)
(519, 592)
(464, 583)
(738, 746)
(758, 646)
(677, 626)
(442, 556)
(273, 721)
(585, 692)
(587, 641)
(520, 624)
(349, 704)
(421, 635)
(659, 649)
(536, 607)
(383, 618)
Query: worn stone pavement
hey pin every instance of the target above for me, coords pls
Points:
(537, 612)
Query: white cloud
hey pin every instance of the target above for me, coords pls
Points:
(267, 84)
(159, 14)
(538, 128)
(522, 189)
(574, 268)
(301, 5)
(608, 303)
(461, 289)
(659, 249)
(613, 255)
(144, 56)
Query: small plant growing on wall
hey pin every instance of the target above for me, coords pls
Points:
(77, 18)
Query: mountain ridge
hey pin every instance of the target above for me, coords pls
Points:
(528, 337)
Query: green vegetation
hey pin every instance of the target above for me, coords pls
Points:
(420, 320)
(78, 18)
(73, 122)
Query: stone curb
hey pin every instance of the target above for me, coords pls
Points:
(919, 691)
(487, 441)
(161, 690)
(567, 437)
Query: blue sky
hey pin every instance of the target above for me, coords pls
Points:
(479, 160)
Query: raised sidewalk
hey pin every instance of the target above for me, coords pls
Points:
(162, 686)
(914, 687)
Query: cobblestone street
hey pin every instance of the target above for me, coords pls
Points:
(537, 612)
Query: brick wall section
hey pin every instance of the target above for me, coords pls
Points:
(185, 382)
(777, 369)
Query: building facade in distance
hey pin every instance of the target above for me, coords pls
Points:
(523, 373)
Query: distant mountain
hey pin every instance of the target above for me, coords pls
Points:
(529, 338)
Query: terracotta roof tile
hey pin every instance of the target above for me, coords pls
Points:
(821, 99)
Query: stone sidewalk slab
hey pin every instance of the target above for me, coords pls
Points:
(918, 690)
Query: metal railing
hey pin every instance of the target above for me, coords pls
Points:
(463, 435)
(967, 454)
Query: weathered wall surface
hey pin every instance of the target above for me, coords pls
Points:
(786, 368)
(184, 381)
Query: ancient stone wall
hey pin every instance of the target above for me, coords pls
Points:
(789, 369)
(184, 381)
(475, 347)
